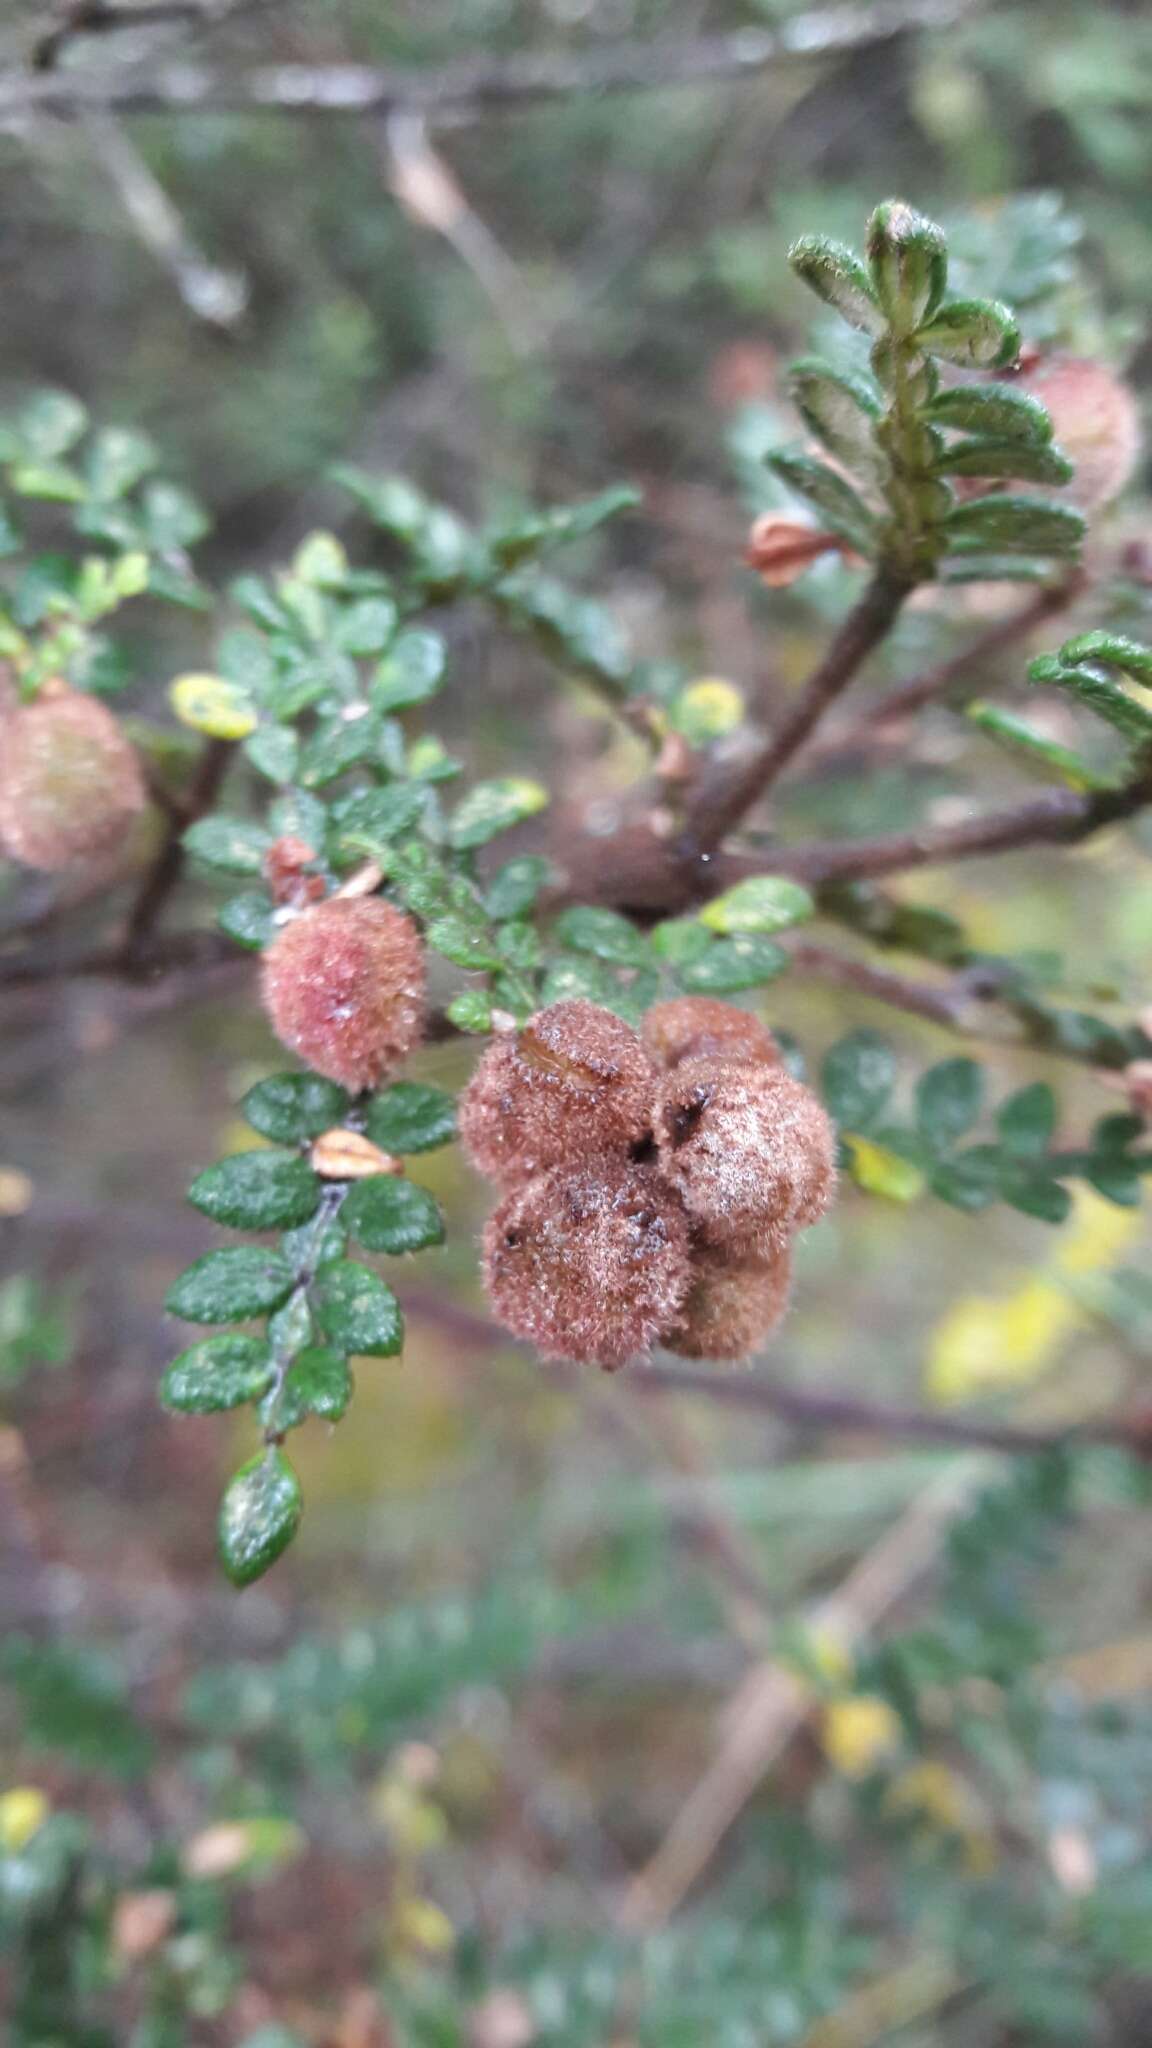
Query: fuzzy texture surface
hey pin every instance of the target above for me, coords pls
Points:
(733, 1304)
(343, 987)
(750, 1151)
(70, 783)
(702, 1027)
(574, 1084)
(590, 1265)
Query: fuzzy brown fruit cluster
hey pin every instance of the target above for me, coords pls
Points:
(70, 783)
(343, 987)
(652, 1184)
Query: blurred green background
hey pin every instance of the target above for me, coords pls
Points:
(464, 1714)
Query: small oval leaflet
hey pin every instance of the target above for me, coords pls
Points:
(227, 1286)
(390, 1215)
(263, 1190)
(259, 1516)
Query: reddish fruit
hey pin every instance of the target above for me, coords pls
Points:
(590, 1265)
(344, 988)
(70, 783)
(701, 1027)
(733, 1304)
(575, 1083)
(750, 1151)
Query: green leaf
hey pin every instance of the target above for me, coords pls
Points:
(387, 1214)
(839, 278)
(1035, 1194)
(171, 517)
(1012, 523)
(316, 1243)
(372, 817)
(317, 1382)
(1018, 737)
(249, 919)
(995, 410)
(857, 1078)
(274, 751)
(1027, 1121)
(979, 333)
(839, 407)
(339, 743)
(1006, 459)
(908, 260)
(50, 423)
(365, 627)
(219, 1372)
(1130, 656)
(411, 673)
(514, 888)
(494, 807)
(471, 1011)
(949, 1098)
(1117, 1179)
(357, 1312)
(1108, 700)
(51, 480)
(745, 961)
(263, 1190)
(117, 459)
(466, 941)
(969, 1180)
(604, 934)
(539, 532)
(259, 1516)
(229, 1286)
(292, 1108)
(840, 509)
(762, 903)
(974, 566)
(568, 980)
(231, 845)
(409, 1117)
(680, 940)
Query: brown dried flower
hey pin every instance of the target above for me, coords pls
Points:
(733, 1303)
(589, 1264)
(1096, 422)
(781, 547)
(343, 987)
(749, 1149)
(70, 782)
(286, 871)
(574, 1083)
(702, 1027)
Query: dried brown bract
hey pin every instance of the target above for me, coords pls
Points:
(750, 1150)
(574, 1083)
(343, 987)
(1096, 422)
(590, 1265)
(702, 1027)
(70, 782)
(733, 1303)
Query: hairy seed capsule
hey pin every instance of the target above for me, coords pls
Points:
(574, 1083)
(590, 1265)
(733, 1303)
(343, 987)
(701, 1027)
(70, 783)
(749, 1149)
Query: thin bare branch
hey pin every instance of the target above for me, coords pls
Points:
(217, 296)
(469, 90)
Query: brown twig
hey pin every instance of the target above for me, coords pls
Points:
(843, 1411)
(467, 90)
(938, 683)
(731, 787)
(168, 866)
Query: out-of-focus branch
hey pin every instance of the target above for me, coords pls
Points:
(731, 786)
(214, 295)
(937, 684)
(468, 90)
(168, 866)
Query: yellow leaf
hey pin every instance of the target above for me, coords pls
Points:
(941, 1798)
(1095, 1234)
(212, 706)
(857, 1734)
(881, 1172)
(23, 1812)
(417, 1926)
(982, 1344)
